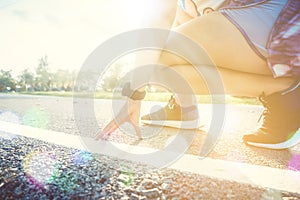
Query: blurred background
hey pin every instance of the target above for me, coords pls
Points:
(44, 43)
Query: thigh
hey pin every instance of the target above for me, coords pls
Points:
(223, 42)
(234, 82)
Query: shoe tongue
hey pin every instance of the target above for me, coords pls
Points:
(273, 100)
(284, 102)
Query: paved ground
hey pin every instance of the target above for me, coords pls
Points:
(51, 171)
(56, 113)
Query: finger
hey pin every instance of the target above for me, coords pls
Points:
(108, 129)
(112, 126)
(98, 136)
(137, 131)
(103, 135)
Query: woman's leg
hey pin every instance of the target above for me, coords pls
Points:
(242, 70)
(234, 82)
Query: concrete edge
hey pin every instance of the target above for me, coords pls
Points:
(261, 176)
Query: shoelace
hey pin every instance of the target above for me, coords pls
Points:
(266, 114)
(172, 102)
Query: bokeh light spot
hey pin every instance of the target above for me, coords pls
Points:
(126, 176)
(66, 183)
(271, 194)
(9, 116)
(36, 118)
(294, 162)
(80, 157)
(40, 167)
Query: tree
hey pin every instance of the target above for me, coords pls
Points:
(111, 77)
(63, 79)
(7, 83)
(43, 76)
(26, 80)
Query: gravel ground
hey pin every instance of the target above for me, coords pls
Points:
(32, 169)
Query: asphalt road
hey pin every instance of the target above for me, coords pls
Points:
(57, 113)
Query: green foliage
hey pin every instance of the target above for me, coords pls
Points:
(26, 80)
(45, 80)
(7, 83)
(62, 80)
(43, 76)
(111, 77)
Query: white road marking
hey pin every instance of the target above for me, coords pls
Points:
(261, 176)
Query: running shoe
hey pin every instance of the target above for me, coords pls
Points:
(281, 121)
(173, 115)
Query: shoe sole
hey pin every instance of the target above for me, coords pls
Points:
(294, 140)
(195, 124)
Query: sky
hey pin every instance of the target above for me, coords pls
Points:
(67, 31)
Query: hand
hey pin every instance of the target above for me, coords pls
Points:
(129, 113)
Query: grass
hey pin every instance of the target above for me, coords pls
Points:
(159, 96)
(52, 93)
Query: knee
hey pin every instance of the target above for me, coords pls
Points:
(171, 59)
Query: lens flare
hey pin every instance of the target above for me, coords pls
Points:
(40, 167)
(66, 183)
(9, 116)
(294, 162)
(36, 118)
(271, 194)
(80, 157)
(126, 176)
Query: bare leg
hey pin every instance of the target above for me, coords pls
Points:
(242, 71)
(234, 82)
